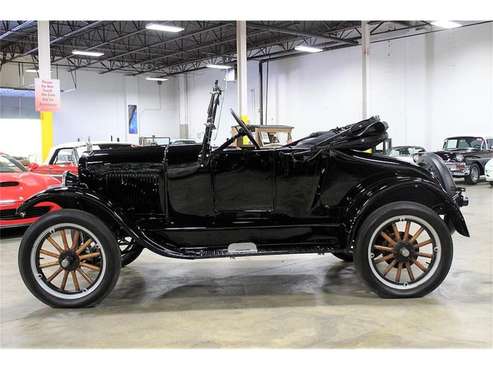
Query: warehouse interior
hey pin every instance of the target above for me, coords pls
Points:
(416, 74)
(427, 80)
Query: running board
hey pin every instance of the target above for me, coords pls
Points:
(242, 248)
(250, 249)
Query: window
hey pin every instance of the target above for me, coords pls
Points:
(65, 156)
(84, 149)
(463, 143)
(9, 165)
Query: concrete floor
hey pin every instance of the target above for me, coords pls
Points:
(293, 302)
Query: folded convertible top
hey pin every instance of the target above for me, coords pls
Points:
(360, 136)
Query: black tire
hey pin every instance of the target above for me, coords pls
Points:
(371, 229)
(130, 253)
(346, 257)
(474, 175)
(109, 262)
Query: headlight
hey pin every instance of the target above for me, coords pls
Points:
(459, 157)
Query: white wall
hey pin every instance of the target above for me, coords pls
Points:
(21, 137)
(97, 108)
(426, 87)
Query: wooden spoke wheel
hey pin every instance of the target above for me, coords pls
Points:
(404, 251)
(68, 260)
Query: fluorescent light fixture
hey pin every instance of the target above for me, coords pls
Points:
(164, 27)
(87, 53)
(218, 66)
(156, 79)
(31, 71)
(446, 24)
(308, 49)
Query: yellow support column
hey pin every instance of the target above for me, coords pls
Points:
(245, 119)
(46, 133)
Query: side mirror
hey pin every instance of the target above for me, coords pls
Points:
(32, 166)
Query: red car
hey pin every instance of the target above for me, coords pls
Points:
(18, 184)
(65, 157)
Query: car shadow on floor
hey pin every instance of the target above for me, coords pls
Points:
(152, 291)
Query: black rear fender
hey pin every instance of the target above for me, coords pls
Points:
(367, 199)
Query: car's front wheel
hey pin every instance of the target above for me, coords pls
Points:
(69, 259)
(473, 177)
(403, 250)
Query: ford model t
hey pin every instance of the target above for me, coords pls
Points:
(320, 194)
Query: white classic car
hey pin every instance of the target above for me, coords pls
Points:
(488, 171)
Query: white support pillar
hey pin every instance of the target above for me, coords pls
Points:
(44, 59)
(241, 63)
(365, 63)
(183, 106)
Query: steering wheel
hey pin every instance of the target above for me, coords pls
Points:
(245, 129)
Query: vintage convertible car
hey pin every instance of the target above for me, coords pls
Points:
(321, 194)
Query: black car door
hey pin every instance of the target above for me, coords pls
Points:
(243, 180)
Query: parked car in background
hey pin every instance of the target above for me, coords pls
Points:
(466, 156)
(65, 157)
(154, 140)
(267, 136)
(18, 184)
(405, 152)
(488, 171)
(183, 141)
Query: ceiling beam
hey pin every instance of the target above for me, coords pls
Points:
(61, 38)
(210, 45)
(159, 43)
(299, 33)
(15, 29)
(118, 38)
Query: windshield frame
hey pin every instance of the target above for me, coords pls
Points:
(15, 162)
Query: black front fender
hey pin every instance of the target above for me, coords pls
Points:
(80, 198)
(365, 199)
(76, 197)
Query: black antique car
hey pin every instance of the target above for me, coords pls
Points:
(320, 194)
(466, 156)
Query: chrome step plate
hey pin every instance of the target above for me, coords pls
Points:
(242, 248)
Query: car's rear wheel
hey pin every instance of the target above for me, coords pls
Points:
(403, 250)
(69, 259)
(473, 177)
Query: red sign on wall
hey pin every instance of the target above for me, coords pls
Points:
(47, 95)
